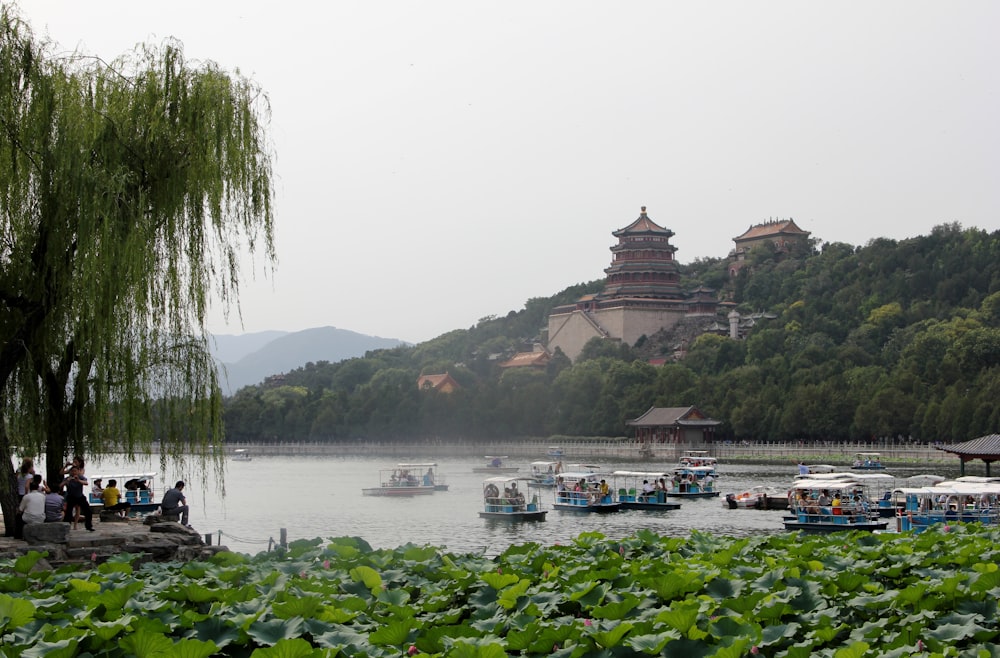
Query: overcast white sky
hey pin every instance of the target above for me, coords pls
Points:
(441, 161)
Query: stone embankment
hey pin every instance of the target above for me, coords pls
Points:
(586, 448)
(153, 539)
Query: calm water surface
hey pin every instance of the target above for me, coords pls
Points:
(321, 497)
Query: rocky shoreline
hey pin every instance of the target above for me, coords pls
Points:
(152, 539)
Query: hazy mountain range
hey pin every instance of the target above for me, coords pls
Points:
(248, 359)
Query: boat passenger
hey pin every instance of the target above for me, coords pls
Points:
(429, 478)
(112, 499)
(604, 491)
(823, 502)
(803, 469)
(707, 482)
(648, 490)
(835, 505)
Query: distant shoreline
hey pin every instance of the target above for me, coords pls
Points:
(576, 449)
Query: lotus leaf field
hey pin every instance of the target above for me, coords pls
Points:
(842, 595)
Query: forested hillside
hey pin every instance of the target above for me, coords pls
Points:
(896, 338)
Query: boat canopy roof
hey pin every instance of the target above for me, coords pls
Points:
(506, 479)
(544, 463)
(418, 465)
(952, 488)
(976, 478)
(495, 457)
(122, 477)
(695, 469)
(642, 474)
(580, 475)
(868, 454)
(824, 484)
(816, 469)
(695, 453)
(923, 480)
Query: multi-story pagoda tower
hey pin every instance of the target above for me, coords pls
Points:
(641, 296)
(643, 263)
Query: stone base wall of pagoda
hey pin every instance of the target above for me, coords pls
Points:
(571, 331)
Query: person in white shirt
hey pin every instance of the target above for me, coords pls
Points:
(32, 506)
(648, 489)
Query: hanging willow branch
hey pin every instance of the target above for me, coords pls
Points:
(128, 192)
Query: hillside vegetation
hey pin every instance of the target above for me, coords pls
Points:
(892, 339)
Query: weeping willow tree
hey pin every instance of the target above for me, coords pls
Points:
(128, 191)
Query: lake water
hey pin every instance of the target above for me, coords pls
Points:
(321, 497)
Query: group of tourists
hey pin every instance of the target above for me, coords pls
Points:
(69, 500)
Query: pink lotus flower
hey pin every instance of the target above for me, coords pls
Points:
(587, 622)
(93, 556)
(555, 647)
(754, 650)
(621, 551)
(920, 645)
(947, 528)
(302, 574)
(412, 650)
(326, 564)
(499, 571)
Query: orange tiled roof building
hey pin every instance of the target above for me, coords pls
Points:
(443, 383)
(536, 359)
(781, 233)
(641, 295)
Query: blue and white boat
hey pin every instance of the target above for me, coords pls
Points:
(495, 464)
(503, 500)
(579, 491)
(831, 505)
(136, 488)
(867, 461)
(632, 494)
(967, 499)
(693, 482)
(543, 473)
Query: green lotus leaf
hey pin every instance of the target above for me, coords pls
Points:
(287, 648)
(738, 649)
(681, 615)
(215, 629)
(15, 612)
(191, 648)
(651, 643)
(911, 594)
(611, 637)
(465, 649)
(985, 580)
(546, 602)
(498, 580)
(730, 627)
(346, 640)
(777, 632)
(393, 597)
(25, 563)
(161, 621)
(508, 597)
(272, 631)
(589, 594)
(193, 592)
(336, 615)
(13, 584)
(855, 650)
(688, 648)
(367, 576)
(432, 639)
(301, 606)
(724, 588)
(60, 649)
(145, 644)
(616, 609)
(849, 581)
(392, 634)
(86, 586)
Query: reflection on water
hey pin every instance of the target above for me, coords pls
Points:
(321, 497)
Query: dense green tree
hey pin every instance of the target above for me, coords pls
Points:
(127, 191)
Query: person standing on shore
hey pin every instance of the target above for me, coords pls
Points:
(75, 486)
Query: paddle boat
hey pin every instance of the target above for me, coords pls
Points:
(877, 487)
(867, 461)
(698, 458)
(555, 452)
(495, 464)
(759, 497)
(429, 477)
(504, 501)
(136, 488)
(638, 490)
(949, 501)
(543, 473)
(693, 482)
(831, 505)
(579, 491)
(242, 455)
(400, 481)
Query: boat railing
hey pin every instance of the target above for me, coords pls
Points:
(505, 504)
(582, 498)
(846, 515)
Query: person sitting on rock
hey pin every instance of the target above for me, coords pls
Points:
(112, 500)
(55, 507)
(32, 506)
(174, 503)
